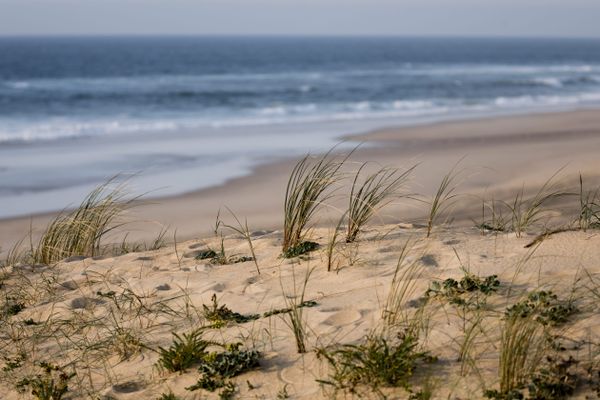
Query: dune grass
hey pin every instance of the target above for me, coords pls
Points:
(526, 212)
(306, 190)
(522, 349)
(403, 286)
(295, 303)
(589, 208)
(80, 232)
(444, 198)
(373, 193)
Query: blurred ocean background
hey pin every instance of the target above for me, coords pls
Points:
(185, 113)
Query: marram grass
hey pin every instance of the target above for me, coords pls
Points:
(80, 231)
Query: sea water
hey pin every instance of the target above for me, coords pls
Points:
(183, 113)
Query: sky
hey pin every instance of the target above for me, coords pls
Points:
(546, 18)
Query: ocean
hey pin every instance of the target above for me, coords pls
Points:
(184, 113)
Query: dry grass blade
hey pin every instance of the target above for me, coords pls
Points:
(527, 212)
(403, 286)
(243, 230)
(373, 194)
(443, 198)
(295, 317)
(522, 349)
(306, 190)
(81, 231)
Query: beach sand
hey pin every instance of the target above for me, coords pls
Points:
(499, 156)
(107, 316)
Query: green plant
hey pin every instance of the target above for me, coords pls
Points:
(522, 349)
(217, 367)
(378, 362)
(372, 194)
(496, 222)
(185, 351)
(243, 230)
(206, 254)
(283, 393)
(295, 317)
(81, 231)
(589, 208)
(544, 307)
(168, 396)
(52, 384)
(554, 381)
(461, 292)
(220, 315)
(277, 311)
(300, 249)
(443, 199)
(403, 285)
(305, 191)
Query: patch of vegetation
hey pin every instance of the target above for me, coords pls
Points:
(218, 367)
(371, 195)
(300, 249)
(52, 384)
(185, 351)
(545, 307)
(206, 254)
(460, 292)
(276, 311)
(553, 381)
(12, 307)
(220, 315)
(13, 363)
(307, 188)
(168, 396)
(220, 257)
(376, 363)
(80, 232)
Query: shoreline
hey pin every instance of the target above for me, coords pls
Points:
(436, 145)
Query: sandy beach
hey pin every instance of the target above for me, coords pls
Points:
(105, 324)
(499, 156)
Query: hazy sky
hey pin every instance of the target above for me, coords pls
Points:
(359, 17)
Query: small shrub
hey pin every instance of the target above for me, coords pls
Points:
(465, 292)
(545, 307)
(220, 315)
(375, 363)
(300, 249)
(554, 381)
(206, 254)
(185, 351)
(168, 396)
(217, 367)
(52, 384)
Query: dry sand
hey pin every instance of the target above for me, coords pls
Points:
(95, 333)
(107, 316)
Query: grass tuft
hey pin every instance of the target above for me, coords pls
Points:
(371, 195)
(378, 362)
(307, 188)
(185, 351)
(443, 199)
(79, 233)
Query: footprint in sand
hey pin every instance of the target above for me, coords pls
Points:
(343, 317)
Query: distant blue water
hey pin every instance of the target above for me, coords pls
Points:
(73, 110)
